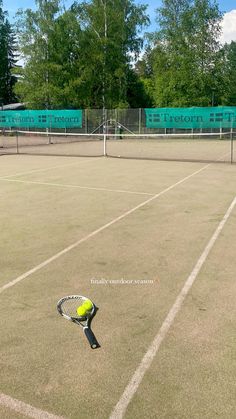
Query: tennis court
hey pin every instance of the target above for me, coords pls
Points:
(153, 244)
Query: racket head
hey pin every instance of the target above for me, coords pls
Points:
(67, 307)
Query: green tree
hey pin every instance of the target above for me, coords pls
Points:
(111, 39)
(8, 59)
(208, 60)
(81, 57)
(187, 65)
(171, 58)
(49, 43)
(230, 73)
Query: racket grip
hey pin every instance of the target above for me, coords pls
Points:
(91, 338)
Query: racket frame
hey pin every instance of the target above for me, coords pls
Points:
(82, 321)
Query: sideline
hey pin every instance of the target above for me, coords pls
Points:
(133, 385)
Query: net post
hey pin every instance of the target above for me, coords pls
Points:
(104, 144)
(231, 146)
(17, 143)
(104, 112)
(48, 133)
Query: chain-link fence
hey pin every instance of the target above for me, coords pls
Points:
(191, 134)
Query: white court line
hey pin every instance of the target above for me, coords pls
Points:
(75, 186)
(25, 409)
(132, 387)
(92, 159)
(95, 232)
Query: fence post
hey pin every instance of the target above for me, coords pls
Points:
(86, 121)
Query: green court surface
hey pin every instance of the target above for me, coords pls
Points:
(127, 234)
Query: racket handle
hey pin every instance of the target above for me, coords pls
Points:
(91, 338)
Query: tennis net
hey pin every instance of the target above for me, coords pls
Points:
(181, 146)
(52, 143)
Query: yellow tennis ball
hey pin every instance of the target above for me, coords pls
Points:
(81, 311)
(88, 305)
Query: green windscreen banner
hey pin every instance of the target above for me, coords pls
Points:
(41, 119)
(187, 118)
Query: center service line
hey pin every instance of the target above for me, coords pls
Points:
(58, 166)
(132, 387)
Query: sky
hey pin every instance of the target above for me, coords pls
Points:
(227, 6)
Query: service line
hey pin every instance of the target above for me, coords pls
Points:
(63, 185)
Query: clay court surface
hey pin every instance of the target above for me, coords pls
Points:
(128, 234)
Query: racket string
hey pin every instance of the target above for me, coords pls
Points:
(69, 307)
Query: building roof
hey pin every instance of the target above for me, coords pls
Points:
(12, 107)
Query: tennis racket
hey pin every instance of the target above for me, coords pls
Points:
(68, 306)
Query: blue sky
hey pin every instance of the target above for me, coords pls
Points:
(225, 5)
(228, 6)
(13, 5)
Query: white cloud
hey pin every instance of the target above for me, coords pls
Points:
(229, 27)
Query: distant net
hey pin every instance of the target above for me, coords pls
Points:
(178, 146)
(8, 144)
(52, 143)
(181, 146)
